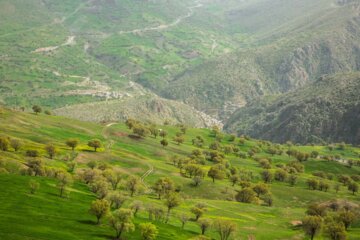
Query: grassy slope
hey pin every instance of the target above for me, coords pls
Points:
(44, 214)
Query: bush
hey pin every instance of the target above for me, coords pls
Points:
(32, 153)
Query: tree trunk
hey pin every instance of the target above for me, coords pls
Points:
(168, 215)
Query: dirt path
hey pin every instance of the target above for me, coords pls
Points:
(69, 41)
(166, 26)
(145, 175)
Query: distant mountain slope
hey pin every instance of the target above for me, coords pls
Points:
(325, 40)
(326, 110)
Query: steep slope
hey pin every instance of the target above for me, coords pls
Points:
(327, 110)
(324, 41)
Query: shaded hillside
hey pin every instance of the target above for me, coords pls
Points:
(326, 110)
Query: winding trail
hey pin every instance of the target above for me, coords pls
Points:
(166, 26)
(145, 175)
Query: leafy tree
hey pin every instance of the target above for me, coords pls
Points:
(95, 143)
(64, 180)
(198, 141)
(35, 166)
(316, 209)
(51, 150)
(32, 153)
(71, 166)
(260, 189)
(232, 138)
(267, 176)
(353, 187)
(204, 224)
(225, 228)
(280, 175)
(179, 140)
(99, 208)
(172, 200)
(122, 221)
(194, 170)
(312, 184)
(337, 188)
(268, 199)
(140, 130)
(133, 185)
(113, 177)
(347, 218)
(265, 163)
(197, 180)
(199, 209)
(4, 143)
(164, 142)
(228, 149)
(16, 144)
(148, 231)
(136, 206)
(163, 133)
(217, 172)
(163, 186)
(312, 225)
(100, 187)
(116, 199)
(34, 186)
(234, 179)
(130, 123)
(334, 230)
(292, 180)
(344, 179)
(314, 154)
(323, 186)
(246, 195)
(154, 131)
(37, 109)
(184, 218)
(92, 164)
(72, 143)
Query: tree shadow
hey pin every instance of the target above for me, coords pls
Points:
(87, 222)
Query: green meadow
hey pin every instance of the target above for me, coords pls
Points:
(46, 215)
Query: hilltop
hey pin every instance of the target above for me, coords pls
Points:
(132, 155)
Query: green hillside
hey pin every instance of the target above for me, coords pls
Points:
(45, 214)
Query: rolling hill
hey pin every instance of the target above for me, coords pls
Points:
(45, 214)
